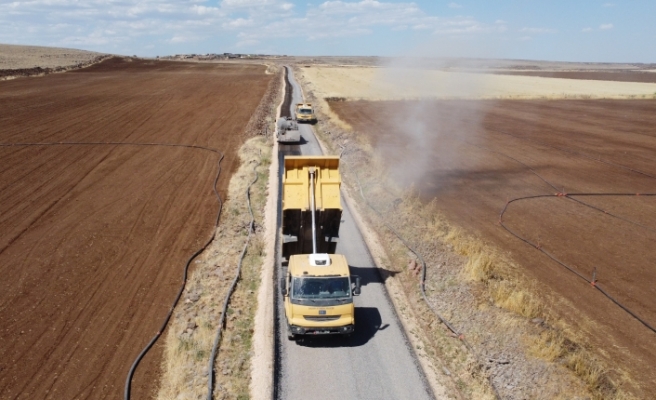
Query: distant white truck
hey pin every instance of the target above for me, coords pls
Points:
(287, 130)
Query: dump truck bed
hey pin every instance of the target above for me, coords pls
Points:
(296, 215)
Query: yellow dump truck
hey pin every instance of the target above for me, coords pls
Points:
(317, 287)
(300, 173)
(305, 113)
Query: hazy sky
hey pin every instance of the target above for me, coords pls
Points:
(574, 30)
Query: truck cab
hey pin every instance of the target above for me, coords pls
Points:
(305, 113)
(318, 292)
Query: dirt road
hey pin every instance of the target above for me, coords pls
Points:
(474, 156)
(94, 237)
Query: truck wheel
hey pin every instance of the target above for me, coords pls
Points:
(290, 335)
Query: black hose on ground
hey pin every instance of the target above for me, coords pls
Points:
(568, 196)
(446, 323)
(144, 351)
(128, 380)
(558, 190)
(592, 281)
(217, 338)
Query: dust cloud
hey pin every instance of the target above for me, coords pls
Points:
(427, 134)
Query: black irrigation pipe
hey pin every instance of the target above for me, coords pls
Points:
(455, 331)
(217, 338)
(128, 380)
(570, 196)
(558, 190)
(592, 281)
(612, 214)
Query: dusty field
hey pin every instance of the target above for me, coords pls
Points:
(478, 64)
(24, 61)
(395, 83)
(474, 156)
(94, 237)
(16, 57)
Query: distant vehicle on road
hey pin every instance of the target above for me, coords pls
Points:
(287, 130)
(305, 113)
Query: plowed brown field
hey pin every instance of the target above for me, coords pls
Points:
(93, 238)
(474, 156)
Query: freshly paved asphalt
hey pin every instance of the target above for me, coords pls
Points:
(377, 361)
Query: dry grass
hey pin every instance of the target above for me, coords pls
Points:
(396, 83)
(517, 294)
(509, 295)
(491, 275)
(329, 114)
(15, 57)
(554, 346)
(485, 265)
(191, 334)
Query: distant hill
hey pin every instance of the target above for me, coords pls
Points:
(29, 57)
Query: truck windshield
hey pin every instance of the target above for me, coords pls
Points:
(321, 288)
(305, 111)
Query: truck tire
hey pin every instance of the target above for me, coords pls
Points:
(290, 335)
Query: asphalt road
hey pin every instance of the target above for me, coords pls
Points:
(377, 361)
